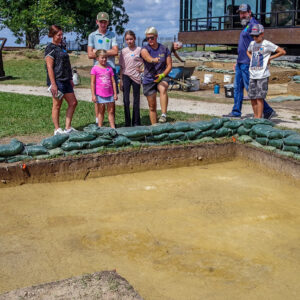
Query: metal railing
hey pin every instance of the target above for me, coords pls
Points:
(287, 18)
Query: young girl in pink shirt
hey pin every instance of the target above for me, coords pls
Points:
(104, 89)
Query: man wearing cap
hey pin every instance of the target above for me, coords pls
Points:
(241, 79)
(173, 47)
(103, 39)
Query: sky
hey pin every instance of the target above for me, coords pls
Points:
(162, 14)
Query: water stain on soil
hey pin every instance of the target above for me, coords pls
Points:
(226, 231)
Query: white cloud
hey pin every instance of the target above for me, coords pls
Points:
(162, 14)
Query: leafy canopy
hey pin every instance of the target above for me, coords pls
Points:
(32, 18)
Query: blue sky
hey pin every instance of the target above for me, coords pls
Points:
(162, 14)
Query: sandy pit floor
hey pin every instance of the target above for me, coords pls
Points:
(221, 231)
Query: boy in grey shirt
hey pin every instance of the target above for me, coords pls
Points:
(259, 52)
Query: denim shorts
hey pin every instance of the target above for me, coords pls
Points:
(104, 100)
(64, 86)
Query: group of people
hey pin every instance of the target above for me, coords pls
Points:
(251, 69)
(149, 66)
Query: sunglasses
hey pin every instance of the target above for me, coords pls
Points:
(150, 38)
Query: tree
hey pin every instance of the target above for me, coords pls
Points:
(85, 13)
(30, 19)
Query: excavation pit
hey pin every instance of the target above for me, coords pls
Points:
(208, 221)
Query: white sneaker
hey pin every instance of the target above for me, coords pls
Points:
(97, 121)
(70, 130)
(58, 131)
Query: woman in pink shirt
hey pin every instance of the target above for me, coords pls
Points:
(104, 88)
(130, 74)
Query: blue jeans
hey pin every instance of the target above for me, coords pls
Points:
(241, 81)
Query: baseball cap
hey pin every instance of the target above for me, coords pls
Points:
(103, 16)
(244, 7)
(257, 29)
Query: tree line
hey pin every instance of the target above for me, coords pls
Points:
(29, 20)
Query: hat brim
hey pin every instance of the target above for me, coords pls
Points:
(102, 19)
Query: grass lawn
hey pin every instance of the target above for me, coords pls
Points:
(31, 115)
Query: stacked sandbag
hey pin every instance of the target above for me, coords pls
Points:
(93, 139)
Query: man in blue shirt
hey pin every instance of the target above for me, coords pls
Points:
(241, 79)
(103, 39)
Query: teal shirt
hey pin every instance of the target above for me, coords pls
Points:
(105, 41)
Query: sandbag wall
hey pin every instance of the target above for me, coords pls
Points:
(92, 139)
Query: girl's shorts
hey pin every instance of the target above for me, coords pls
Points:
(104, 100)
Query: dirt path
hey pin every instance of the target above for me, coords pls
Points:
(284, 118)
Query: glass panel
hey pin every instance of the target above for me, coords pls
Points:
(199, 11)
(281, 19)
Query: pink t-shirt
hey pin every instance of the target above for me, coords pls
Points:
(131, 61)
(104, 87)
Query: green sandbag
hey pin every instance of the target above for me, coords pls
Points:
(176, 136)
(121, 141)
(100, 131)
(191, 135)
(233, 124)
(90, 151)
(181, 127)
(69, 146)
(245, 139)
(223, 132)
(56, 152)
(243, 131)
(134, 132)
(297, 156)
(164, 143)
(161, 128)
(35, 150)
(206, 139)
(210, 132)
(72, 152)
(294, 149)
(159, 137)
(81, 136)
(287, 133)
(13, 148)
(262, 130)
(292, 140)
(256, 144)
(269, 148)
(98, 143)
(252, 134)
(2, 159)
(18, 158)
(276, 134)
(136, 144)
(203, 126)
(106, 131)
(276, 143)
(285, 153)
(262, 140)
(54, 141)
(43, 156)
(248, 123)
(91, 128)
(218, 122)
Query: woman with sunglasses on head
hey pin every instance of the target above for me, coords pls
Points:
(130, 75)
(158, 64)
(59, 79)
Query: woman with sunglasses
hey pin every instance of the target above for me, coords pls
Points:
(158, 64)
